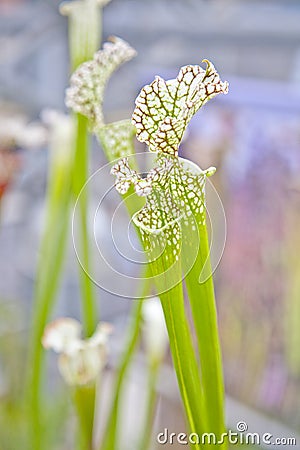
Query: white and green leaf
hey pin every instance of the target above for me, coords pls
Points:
(116, 139)
(164, 108)
(172, 226)
(87, 84)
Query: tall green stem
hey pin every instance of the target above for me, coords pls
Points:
(84, 400)
(166, 266)
(84, 39)
(48, 275)
(184, 359)
(150, 405)
(170, 290)
(57, 220)
(80, 175)
(109, 441)
(202, 300)
(85, 29)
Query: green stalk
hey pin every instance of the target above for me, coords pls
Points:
(110, 435)
(80, 175)
(43, 304)
(150, 405)
(292, 304)
(202, 301)
(84, 29)
(48, 275)
(110, 438)
(84, 397)
(180, 338)
(184, 360)
(84, 400)
(132, 203)
(84, 39)
(166, 267)
(55, 235)
(292, 319)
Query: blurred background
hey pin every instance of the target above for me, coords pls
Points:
(252, 136)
